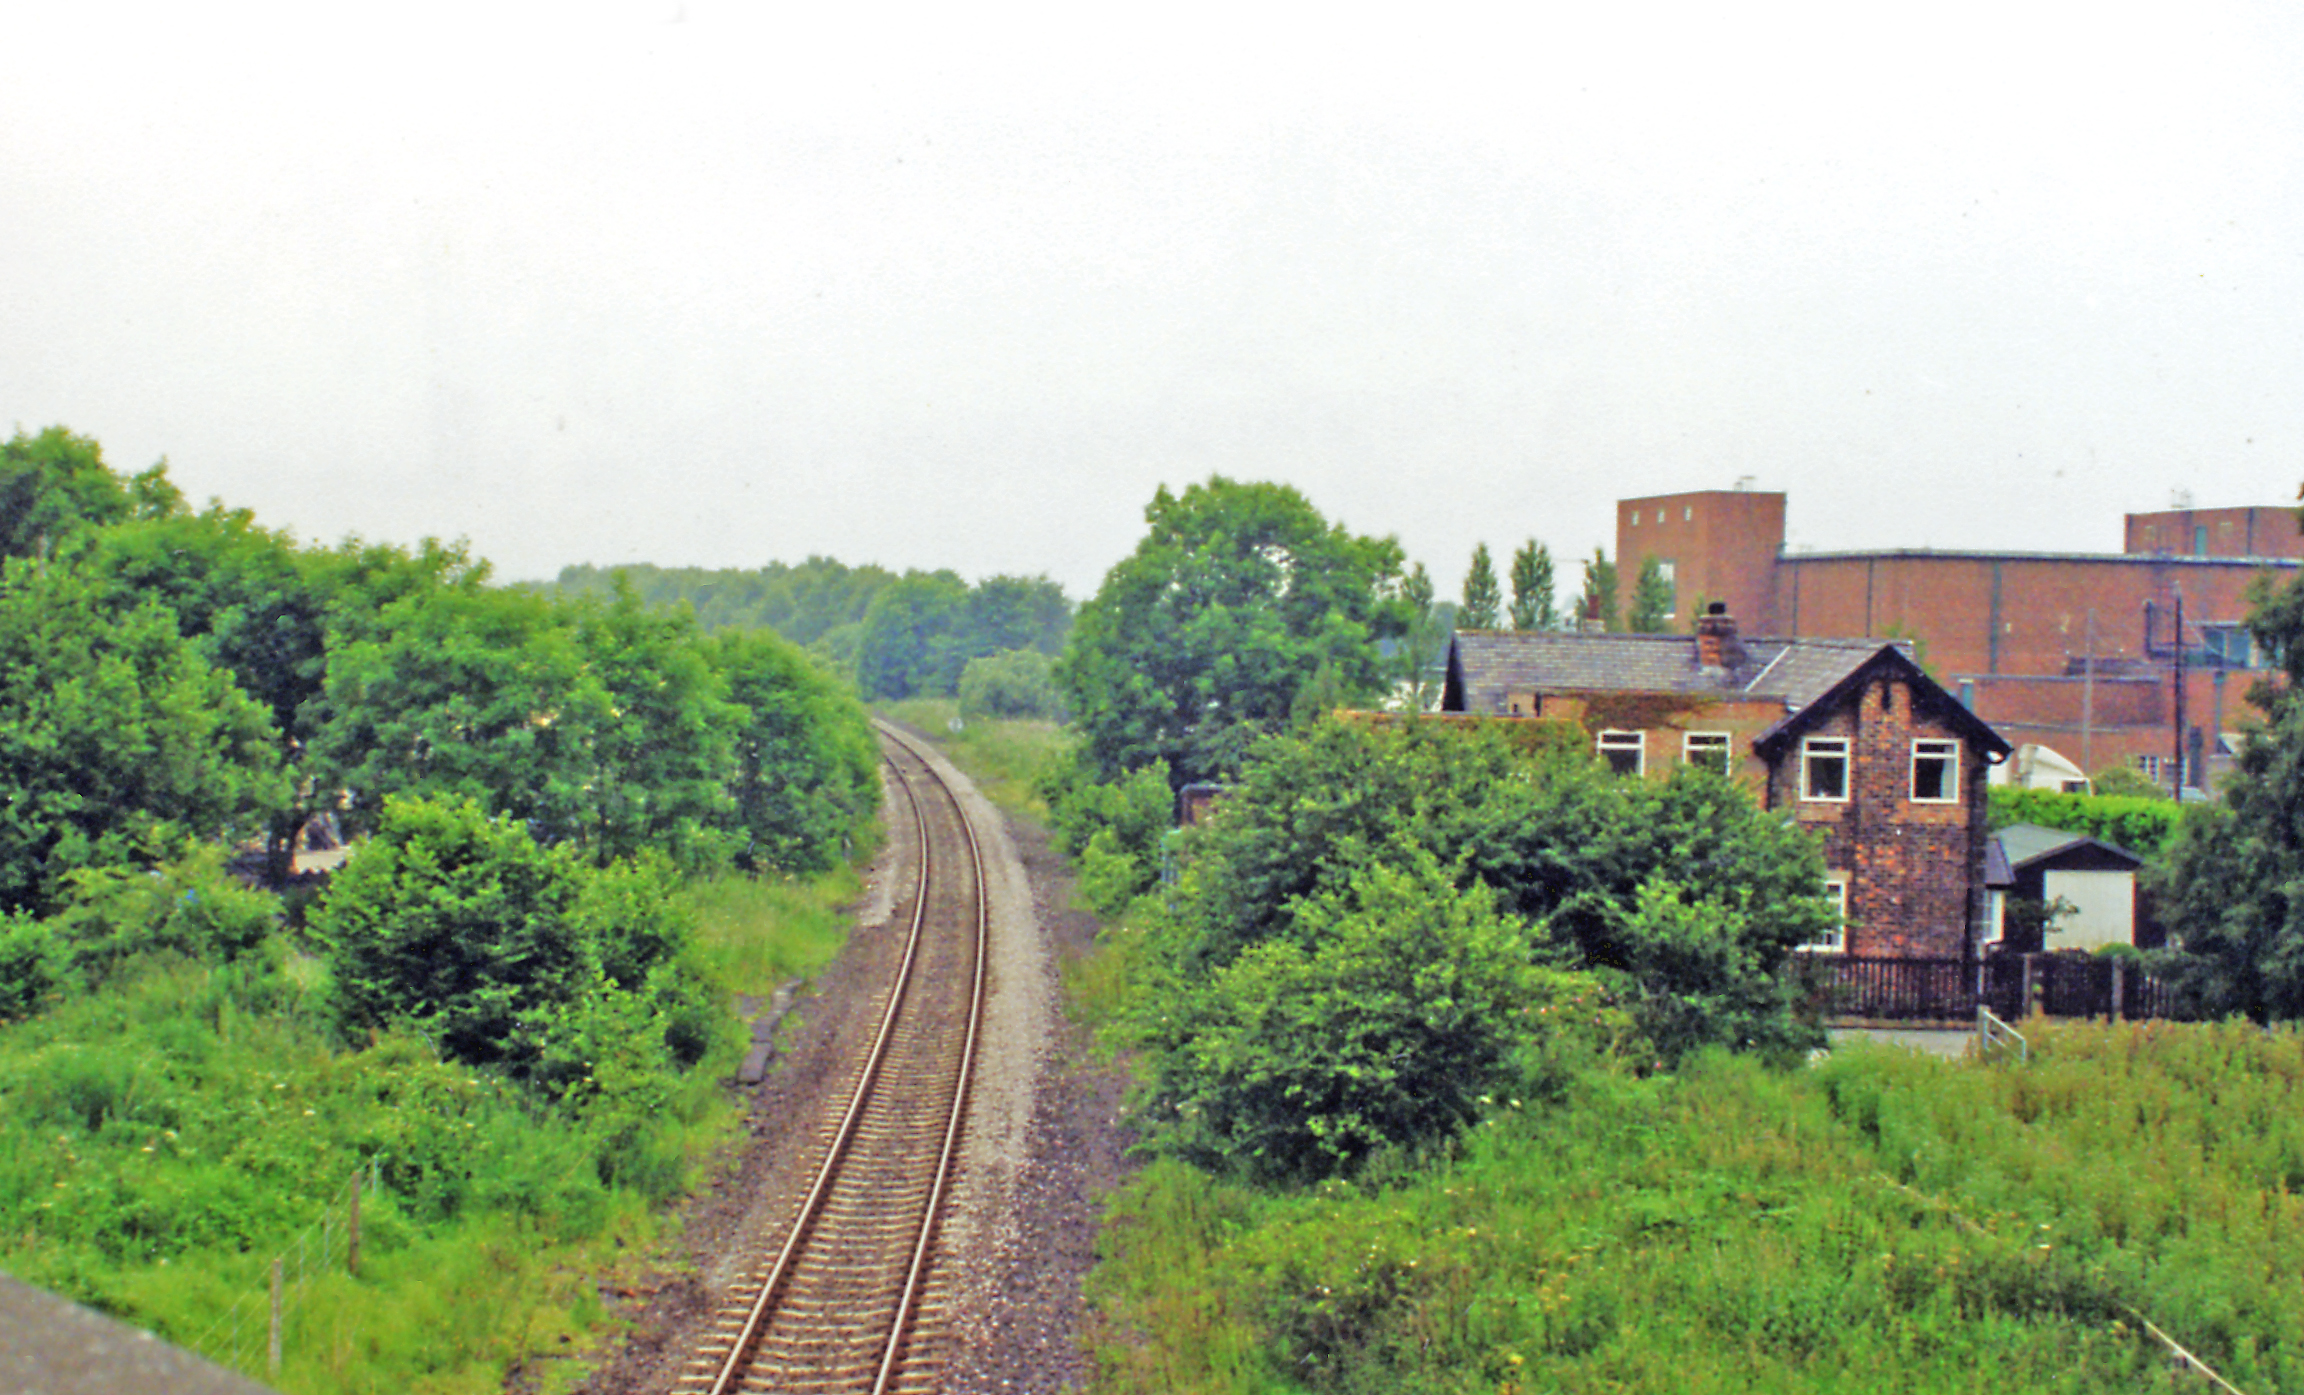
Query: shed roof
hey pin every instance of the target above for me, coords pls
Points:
(2021, 845)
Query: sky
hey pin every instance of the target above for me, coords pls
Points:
(962, 286)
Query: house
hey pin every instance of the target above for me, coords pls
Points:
(1851, 738)
(2112, 658)
(2028, 868)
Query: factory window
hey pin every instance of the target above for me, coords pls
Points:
(1936, 772)
(1625, 751)
(1688, 514)
(1824, 769)
(1706, 748)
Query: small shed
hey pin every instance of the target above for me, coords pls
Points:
(2027, 868)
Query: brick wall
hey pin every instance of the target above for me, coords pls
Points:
(2242, 532)
(1913, 868)
(1722, 544)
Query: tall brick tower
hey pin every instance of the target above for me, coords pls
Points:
(1719, 545)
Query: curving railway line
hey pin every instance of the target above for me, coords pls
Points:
(844, 1297)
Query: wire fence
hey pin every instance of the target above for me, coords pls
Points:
(252, 1335)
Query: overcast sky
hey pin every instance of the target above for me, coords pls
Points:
(960, 287)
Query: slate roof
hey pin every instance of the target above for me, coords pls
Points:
(1484, 665)
(2021, 844)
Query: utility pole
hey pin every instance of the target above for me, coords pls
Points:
(2088, 703)
(2178, 788)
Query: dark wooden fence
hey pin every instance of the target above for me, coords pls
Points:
(1938, 990)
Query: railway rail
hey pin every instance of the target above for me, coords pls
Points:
(844, 1302)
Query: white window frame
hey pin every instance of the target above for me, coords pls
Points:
(1708, 741)
(1936, 748)
(1637, 745)
(1813, 747)
(1834, 890)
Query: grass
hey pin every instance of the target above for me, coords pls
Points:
(1884, 1222)
(809, 917)
(162, 1139)
(1006, 759)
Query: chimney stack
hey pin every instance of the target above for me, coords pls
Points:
(1716, 642)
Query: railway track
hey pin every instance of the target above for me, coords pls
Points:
(842, 1301)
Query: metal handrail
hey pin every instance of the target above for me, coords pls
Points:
(1991, 1032)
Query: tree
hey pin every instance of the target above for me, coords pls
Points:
(1533, 607)
(1481, 598)
(461, 925)
(1008, 613)
(1201, 640)
(806, 777)
(909, 647)
(119, 738)
(1598, 601)
(1424, 644)
(1407, 1004)
(53, 486)
(1683, 895)
(1651, 599)
(1016, 684)
(2230, 885)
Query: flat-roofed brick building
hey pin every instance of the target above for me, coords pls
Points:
(2071, 650)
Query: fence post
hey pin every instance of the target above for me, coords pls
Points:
(2026, 1005)
(278, 1295)
(2119, 989)
(352, 1230)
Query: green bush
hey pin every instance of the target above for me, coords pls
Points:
(1402, 1007)
(1016, 684)
(2141, 824)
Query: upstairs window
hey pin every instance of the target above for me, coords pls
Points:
(1824, 768)
(1936, 772)
(1835, 939)
(1625, 751)
(1706, 748)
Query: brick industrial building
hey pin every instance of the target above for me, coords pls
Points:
(2074, 651)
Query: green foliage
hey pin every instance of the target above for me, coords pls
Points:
(1533, 606)
(35, 963)
(1423, 648)
(1017, 683)
(807, 604)
(1202, 639)
(906, 649)
(1114, 828)
(54, 486)
(459, 924)
(1888, 1222)
(509, 954)
(921, 633)
(1482, 600)
(1652, 599)
(2230, 885)
(1403, 1005)
(806, 782)
(1360, 872)
(120, 737)
(2142, 826)
(1682, 893)
(188, 906)
(1598, 599)
(2126, 781)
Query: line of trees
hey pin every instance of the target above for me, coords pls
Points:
(174, 677)
(897, 636)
